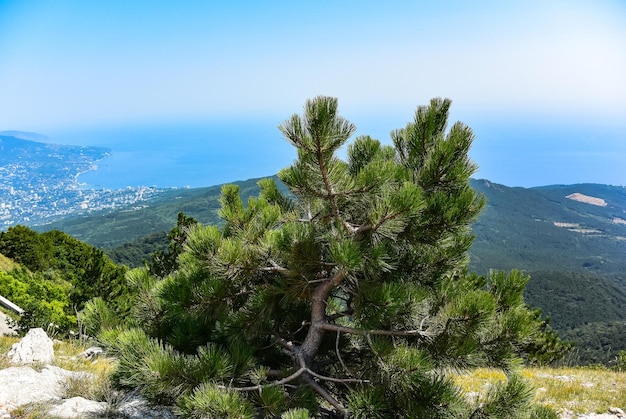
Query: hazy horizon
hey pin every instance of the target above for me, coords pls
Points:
(541, 83)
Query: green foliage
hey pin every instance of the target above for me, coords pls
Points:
(210, 401)
(572, 299)
(350, 295)
(97, 315)
(26, 247)
(295, 414)
(135, 253)
(162, 263)
(512, 395)
(547, 347)
(597, 342)
(113, 230)
(45, 300)
(586, 309)
(61, 274)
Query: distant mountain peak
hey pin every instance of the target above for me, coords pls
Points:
(599, 202)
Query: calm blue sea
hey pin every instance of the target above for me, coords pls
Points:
(179, 155)
(520, 152)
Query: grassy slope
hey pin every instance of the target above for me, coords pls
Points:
(580, 390)
(6, 264)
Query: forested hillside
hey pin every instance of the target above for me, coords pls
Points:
(109, 229)
(574, 251)
(541, 229)
(52, 275)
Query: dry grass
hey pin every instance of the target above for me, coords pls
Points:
(31, 411)
(67, 355)
(580, 390)
(6, 264)
(5, 345)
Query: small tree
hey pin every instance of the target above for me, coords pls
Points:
(164, 262)
(351, 297)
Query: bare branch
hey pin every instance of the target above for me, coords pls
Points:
(337, 380)
(272, 384)
(345, 368)
(340, 314)
(275, 267)
(335, 328)
(325, 394)
(285, 344)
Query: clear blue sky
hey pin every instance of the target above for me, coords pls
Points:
(543, 83)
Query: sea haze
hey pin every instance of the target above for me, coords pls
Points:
(182, 155)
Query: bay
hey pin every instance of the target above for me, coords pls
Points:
(182, 154)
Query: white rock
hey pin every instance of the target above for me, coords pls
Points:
(5, 329)
(92, 352)
(77, 407)
(20, 385)
(36, 346)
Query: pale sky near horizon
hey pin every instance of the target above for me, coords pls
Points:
(512, 68)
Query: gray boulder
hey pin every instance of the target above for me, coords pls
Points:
(36, 346)
(137, 407)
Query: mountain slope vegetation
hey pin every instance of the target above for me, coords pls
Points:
(573, 251)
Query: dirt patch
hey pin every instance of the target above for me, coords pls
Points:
(587, 199)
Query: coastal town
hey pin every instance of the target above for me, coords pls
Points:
(40, 183)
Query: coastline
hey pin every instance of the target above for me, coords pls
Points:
(93, 167)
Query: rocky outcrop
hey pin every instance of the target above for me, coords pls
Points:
(36, 346)
(22, 384)
(613, 413)
(77, 407)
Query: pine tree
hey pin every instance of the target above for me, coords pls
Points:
(349, 296)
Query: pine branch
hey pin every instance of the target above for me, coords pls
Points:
(319, 298)
(340, 314)
(361, 332)
(275, 267)
(367, 227)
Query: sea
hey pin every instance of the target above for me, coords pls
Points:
(166, 155)
(516, 152)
